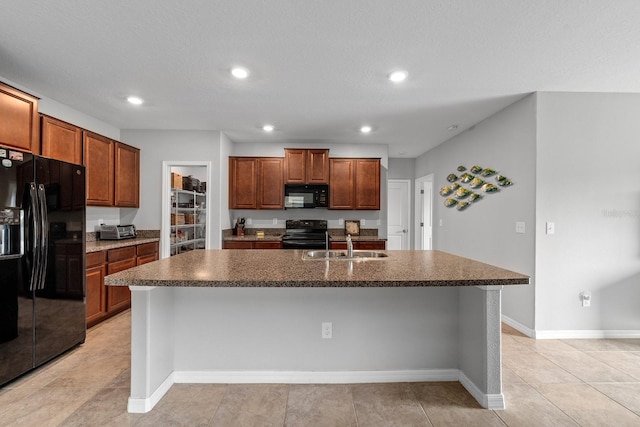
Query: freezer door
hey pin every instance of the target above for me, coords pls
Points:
(60, 317)
(16, 268)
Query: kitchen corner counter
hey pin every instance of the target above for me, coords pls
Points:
(286, 268)
(104, 245)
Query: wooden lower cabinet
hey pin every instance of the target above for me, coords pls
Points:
(235, 244)
(375, 245)
(106, 301)
(96, 292)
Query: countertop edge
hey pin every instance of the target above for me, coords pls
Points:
(105, 245)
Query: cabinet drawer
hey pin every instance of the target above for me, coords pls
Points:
(147, 248)
(267, 245)
(231, 244)
(121, 254)
(96, 258)
(114, 267)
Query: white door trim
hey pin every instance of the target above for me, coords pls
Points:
(165, 230)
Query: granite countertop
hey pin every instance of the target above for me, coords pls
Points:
(254, 238)
(285, 268)
(343, 238)
(104, 245)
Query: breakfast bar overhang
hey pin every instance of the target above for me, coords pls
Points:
(254, 316)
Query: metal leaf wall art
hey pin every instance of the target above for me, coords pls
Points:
(471, 187)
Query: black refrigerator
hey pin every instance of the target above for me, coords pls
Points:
(42, 260)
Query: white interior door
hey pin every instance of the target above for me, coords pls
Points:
(423, 217)
(398, 212)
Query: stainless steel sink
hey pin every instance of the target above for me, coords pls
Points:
(342, 255)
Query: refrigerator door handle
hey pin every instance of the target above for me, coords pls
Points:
(44, 236)
(35, 262)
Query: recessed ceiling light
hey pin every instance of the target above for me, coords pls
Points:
(452, 127)
(268, 128)
(135, 100)
(239, 72)
(365, 129)
(398, 76)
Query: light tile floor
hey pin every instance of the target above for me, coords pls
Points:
(546, 383)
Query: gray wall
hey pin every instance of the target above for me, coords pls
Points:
(587, 184)
(160, 145)
(486, 230)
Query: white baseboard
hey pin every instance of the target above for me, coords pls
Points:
(587, 334)
(314, 377)
(571, 334)
(518, 326)
(144, 405)
(489, 401)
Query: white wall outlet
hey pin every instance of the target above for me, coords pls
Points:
(363, 222)
(327, 330)
(585, 296)
(440, 223)
(100, 221)
(340, 221)
(520, 227)
(550, 228)
(275, 221)
(249, 221)
(378, 223)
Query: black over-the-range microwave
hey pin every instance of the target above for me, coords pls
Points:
(306, 196)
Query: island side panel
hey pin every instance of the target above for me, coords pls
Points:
(263, 330)
(480, 344)
(152, 346)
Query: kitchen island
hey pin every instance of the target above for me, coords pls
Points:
(233, 316)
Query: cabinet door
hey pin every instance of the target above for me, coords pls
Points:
(373, 245)
(243, 183)
(99, 161)
(127, 176)
(270, 185)
(19, 123)
(342, 175)
(119, 297)
(96, 294)
(61, 141)
(367, 184)
(295, 166)
(317, 166)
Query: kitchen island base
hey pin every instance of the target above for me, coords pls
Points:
(273, 335)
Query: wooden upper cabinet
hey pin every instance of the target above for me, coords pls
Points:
(341, 183)
(99, 160)
(19, 121)
(243, 183)
(367, 184)
(256, 183)
(306, 166)
(127, 176)
(354, 184)
(270, 185)
(61, 140)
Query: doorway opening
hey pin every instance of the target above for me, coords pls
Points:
(186, 223)
(424, 212)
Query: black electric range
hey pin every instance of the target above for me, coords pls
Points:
(305, 234)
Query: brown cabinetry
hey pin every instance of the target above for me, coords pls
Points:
(113, 172)
(256, 183)
(354, 184)
(19, 124)
(126, 176)
(96, 291)
(306, 166)
(236, 244)
(99, 160)
(106, 301)
(61, 140)
(368, 245)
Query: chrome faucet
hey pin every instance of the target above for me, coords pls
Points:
(349, 246)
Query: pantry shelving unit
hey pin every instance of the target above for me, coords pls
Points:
(188, 220)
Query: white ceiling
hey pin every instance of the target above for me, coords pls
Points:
(318, 68)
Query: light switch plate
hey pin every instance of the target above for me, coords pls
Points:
(550, 228)
(520, 227)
